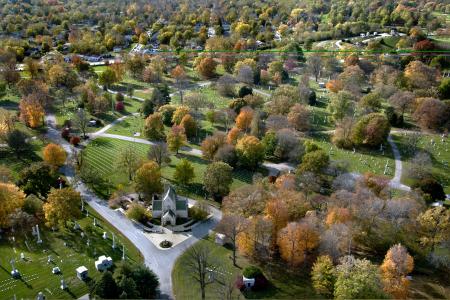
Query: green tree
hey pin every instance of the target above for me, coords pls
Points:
(62, 205)
(314, 162)
(323, 276)
(148, 179)
(105, 287)
(250, 151)
(17, 141)
(444, 88)
(217, 179)
(371, 130)
(147, 108)
(341, 105)
(176, 138)
(184, 172)
(37, 179)
(107, 77)
(154, 127)
(128, 161)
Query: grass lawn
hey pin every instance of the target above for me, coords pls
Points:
(36, 272)
(102, 155)
(284, 285)
(440, 157)
(211, 95)
(364, 160)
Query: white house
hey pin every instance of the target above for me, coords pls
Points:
(103, 263)
(82, 272)
(169, 208)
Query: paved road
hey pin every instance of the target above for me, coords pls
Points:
(396, 181)
(160, 261)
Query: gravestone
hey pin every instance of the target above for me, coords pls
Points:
(63, 285)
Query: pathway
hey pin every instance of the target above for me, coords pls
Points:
(160, 261)
(396, 181)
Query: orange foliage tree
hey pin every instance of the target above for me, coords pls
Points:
(334, 85)
(337, 215)
(31, 111)
(244, 119)
(233, 135)
(396, 265)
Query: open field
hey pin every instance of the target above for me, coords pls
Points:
(36, 273)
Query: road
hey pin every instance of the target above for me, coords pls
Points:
(160, 261)
(396, 181)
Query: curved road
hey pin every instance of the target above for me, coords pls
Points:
(160, 261)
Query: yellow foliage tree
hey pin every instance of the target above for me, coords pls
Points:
(337, 215)
(11, 198)
(295, 240)
(244, 119)
(179, 113)
(54, 155)
(31, 112)
(396, 265)
(62, 205)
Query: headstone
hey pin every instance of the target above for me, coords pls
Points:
(88, 243)
(82, 234)
(113, 241)
(95, 222)
(22, 256)
(39, 241)
(33, 231)
(40, 296)
(87, 213)
(76, 226)
(105, 236)
(49, 259)
(63, 284)
(123, 252)
(14, 273)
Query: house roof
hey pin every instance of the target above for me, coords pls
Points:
(157, 204)
(181, 204)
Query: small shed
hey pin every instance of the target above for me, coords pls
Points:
(103, 263)
(248, 282)
(220, 239)
(82, 273)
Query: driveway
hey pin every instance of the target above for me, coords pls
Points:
(160, 261)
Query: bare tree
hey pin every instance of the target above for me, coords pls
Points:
(159, 153)
(402, 101)
(314, 64)
(231, 226)
(81, 121)
(201, 265)
(226, 285)
(226, 85)
(128, 162)
(245, 75)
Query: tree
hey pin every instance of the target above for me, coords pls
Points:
(190, 125)
(200, 262)
(431, 113)
(211, 144)
(341, 105)
(179, 113)
(107, 77)
(335, 85)
(180, 79)
(396, 266)
(250, 151)
(105, 287)
(31, 111)
(444, 88)
(81, 120)
(37, 179)
(231, 226)
(295, 240)
(323, 276)
(206, 67)
(357, 279)
(314, 65)
(226, 85)
(128, 162)
(184, 172)
(298, 117)
(135, 64)
(277, 212)
(146, 281)
(432, 187)
(11, 198)
(147, 107)
(159, 153)
(402, 101)
(176, 138)
(314, 162)
(148, 179)
(217, 179)
(370, 103)
(420, 76)
(17, 141)
(138, 212)
(154, 127)
(54, 155)
(371, 130)
(244, 119)
(435, 226)
(62, 205)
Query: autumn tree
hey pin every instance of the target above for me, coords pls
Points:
(244, 119)
(250, 151)
(314, 65)
(31, 111)
(54, 155)
(6, 123)
(402, 101)
(190, 125)
(159, 153)
(234, 135)
(431, 113)
(335, 85)
(420, 76)
(107, 77)
(341, 105)
(147, 180)
(231, 226)
(176, 138)
(323, 276)
(255, 240)
(62, 205)
(179, 113)
(396, 266)
(11, 198)
(128, 161)
(371, 130)
(81, 120)
(212, 143)
(154, 127)
(434, 225)
(206, 67)
(217, 179)
(298, 117)
(180, 77)
(184, 172)
(295, 241)
(278, 212)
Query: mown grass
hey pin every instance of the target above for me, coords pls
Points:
(36, 272)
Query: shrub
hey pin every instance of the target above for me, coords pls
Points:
(199, 211)
(431, 187)
(75, 140)
(120, 106)
(65, 133)
(251, 272)
(120, 97)
(244, 91)
(138, 213)
(165, 244)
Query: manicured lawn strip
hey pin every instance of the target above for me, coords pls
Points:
(36, 272)
(375, 159)
(284, 285)
(102, 155)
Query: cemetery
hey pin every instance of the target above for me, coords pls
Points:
(40, 260)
